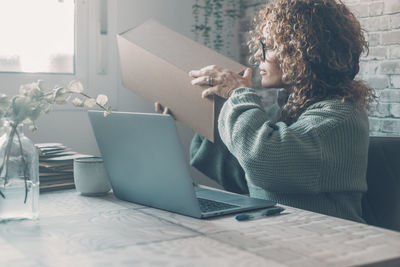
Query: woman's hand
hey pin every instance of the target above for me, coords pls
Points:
(162, 110)
(220, 81)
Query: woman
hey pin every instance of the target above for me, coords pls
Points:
(312, 153)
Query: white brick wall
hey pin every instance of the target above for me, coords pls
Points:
(380, 68)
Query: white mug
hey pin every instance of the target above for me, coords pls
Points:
(90, 176)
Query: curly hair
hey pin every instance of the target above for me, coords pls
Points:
(318, 44)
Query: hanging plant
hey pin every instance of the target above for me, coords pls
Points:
(202, 28)
(218, 25)
(213, 23)
(196, 13)
(232, 14)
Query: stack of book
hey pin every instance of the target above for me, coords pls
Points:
(56, 169)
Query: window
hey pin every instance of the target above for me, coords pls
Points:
(43, 39)
(75, 40)
(39, 36)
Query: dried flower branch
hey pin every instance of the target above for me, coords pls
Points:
(34, 100)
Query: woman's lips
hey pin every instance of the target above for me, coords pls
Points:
(262, 72)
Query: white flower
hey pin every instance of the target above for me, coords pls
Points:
(26, 88)
(77, 102)
(90, 102)
(102, 100)
(33, 100)
(36, 92)
(27, 121)
(75, 87)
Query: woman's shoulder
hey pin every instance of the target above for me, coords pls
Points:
(329, 104)
(334, 113)
(336, 108)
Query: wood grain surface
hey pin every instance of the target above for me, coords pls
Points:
(73, 230)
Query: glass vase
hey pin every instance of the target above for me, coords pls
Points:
(19, 174)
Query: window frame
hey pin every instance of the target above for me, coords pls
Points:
(11, 81)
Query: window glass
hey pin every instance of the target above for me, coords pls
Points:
(37, 36)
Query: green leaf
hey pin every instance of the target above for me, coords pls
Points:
(33, 100)
(20, 108)
(107, 112)
(60, 95)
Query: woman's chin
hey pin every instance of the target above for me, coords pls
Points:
(267, 84)
(271, 83)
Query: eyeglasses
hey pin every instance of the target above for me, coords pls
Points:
(264, 47)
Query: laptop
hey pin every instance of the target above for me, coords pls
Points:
(146, 164)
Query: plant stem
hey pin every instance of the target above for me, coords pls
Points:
(25, 167)
(81, 93)
(7, 156)
(8, 148)
(87, 96)
(13, 130)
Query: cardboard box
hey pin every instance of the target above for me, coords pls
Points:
(155, 62)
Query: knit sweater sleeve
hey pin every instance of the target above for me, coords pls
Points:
(275, 157)
(215, 161)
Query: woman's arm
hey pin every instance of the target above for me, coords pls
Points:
(215, 161)
(275, 157)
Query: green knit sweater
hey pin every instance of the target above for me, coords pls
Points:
(317, 163)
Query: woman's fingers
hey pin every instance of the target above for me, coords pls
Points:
(210, 91)
(203, 80)
(206, 71)
(166, 111)
(157, 107)
(222, 82)
(205, 93)
(247, 73)
(163, 110)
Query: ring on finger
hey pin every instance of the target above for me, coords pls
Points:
(210, 81)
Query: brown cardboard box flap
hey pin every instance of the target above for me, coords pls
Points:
(155, 62)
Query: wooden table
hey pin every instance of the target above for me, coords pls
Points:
(74, 230)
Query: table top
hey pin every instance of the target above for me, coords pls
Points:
(74, 230)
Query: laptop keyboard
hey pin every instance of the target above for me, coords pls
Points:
(207, 205)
